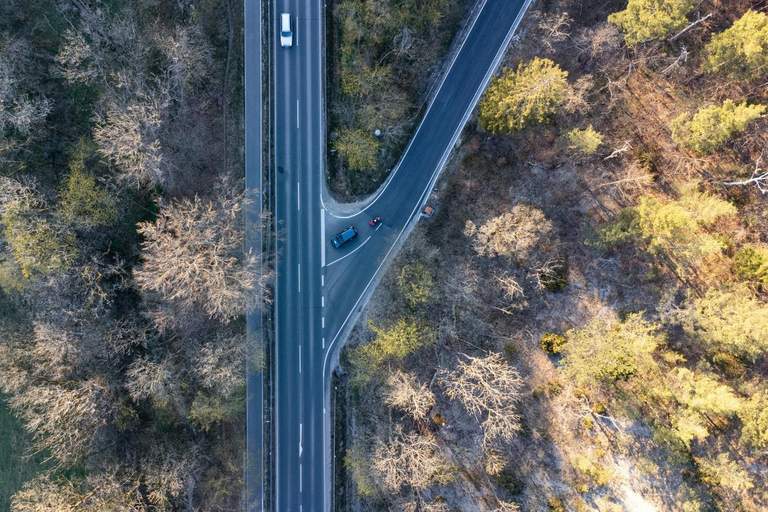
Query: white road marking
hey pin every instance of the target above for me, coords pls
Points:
(323, 343)
(301, 438)
(298, 195)
(350, 254)
(322, 301)
(301, 480)
(377, 227)
(299, 358)
(322, 280)
(297, 114)
(299, 278)
(322, 240)
(323, 319)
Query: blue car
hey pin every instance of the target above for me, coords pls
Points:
(344, 237)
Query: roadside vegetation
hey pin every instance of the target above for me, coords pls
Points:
(383, 57)
(582, 325)
(123, 283)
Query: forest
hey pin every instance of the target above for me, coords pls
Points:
(123, 282)
(583, 324)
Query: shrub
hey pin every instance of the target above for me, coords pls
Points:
(585, 141)
(552, 343)
(751, 264)
(358, 148)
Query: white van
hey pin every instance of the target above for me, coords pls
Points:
(286, 36)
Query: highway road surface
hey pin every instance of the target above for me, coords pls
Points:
(320, 289)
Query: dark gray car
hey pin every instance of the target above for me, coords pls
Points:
(344, 237)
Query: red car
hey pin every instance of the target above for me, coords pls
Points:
(374, 221)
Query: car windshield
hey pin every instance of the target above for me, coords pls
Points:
(286, 33)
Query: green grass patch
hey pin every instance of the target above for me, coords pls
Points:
(15, 468)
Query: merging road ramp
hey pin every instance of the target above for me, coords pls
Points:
(320, 290)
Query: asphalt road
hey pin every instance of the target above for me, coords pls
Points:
(320, 289)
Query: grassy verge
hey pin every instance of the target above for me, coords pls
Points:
(15, 469)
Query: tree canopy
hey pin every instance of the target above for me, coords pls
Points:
(712, 126)
(645, 20)
(741, 50)
(520, 98)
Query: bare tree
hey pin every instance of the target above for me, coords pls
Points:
(489, 389)
(514, 295)
(128, 137)
(193, 257)
(43, 494)
(63, 417)
(220, 363)
(411, 460)
(20, 109)
(514, 234)
(189, 56)
(407, 393)
(157, 380)
(555, 29)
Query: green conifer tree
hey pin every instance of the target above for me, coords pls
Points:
(523, 97)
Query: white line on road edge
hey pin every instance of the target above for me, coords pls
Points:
(299, 358)
(322, 240)
(299, 278)
(298, 195)
(350, 254)
(301, 438)
(297, 114)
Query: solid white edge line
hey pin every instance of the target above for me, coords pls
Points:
(298, 195)
(297, 114)
(299, 281)
(299, 358)
(322, 240)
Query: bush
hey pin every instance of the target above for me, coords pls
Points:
(585, 141)
(552, 343)
(554, 275)
(359, 148)
(751, 264)
(556, 505)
